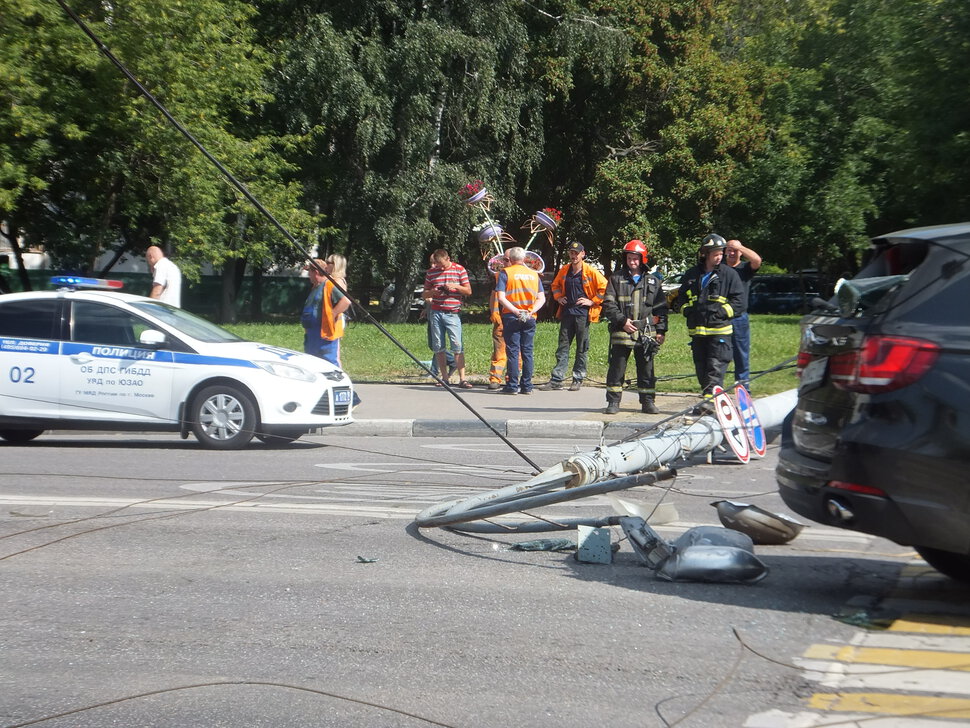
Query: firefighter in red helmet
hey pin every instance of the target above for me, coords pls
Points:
(636, 309)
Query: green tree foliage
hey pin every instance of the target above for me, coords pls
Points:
(805, 198)
(800, 126)
(928, 154)
(687, 115)
(868, 129)
(404, 103)
(99, 166)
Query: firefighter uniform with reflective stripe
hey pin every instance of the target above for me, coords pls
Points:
(709, 301)
(641, 300)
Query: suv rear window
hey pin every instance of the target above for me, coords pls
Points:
(893, 259)
(29, 319)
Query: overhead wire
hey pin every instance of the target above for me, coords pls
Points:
(238, 185)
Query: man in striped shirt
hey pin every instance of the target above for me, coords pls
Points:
(445, 284)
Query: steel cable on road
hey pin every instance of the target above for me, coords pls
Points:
(230, 683)
(366, 478)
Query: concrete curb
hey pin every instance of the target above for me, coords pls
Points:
(538, 429)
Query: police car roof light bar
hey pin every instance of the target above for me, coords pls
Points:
(75, 282)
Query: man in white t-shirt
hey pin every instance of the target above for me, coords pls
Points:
(166, 277)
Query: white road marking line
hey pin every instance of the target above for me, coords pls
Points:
(780, 719)
(843, 676)
(896, 641)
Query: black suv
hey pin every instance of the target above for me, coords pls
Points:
(880, 439)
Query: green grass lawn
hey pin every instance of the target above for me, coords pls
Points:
(370, 356)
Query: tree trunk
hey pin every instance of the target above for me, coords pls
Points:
(105, 226)
(232, 274)
(404, 286)
(256, 303)
(119, 252)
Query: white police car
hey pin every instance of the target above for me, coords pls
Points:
(97, 359)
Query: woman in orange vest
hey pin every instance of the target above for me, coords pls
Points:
(323, 312)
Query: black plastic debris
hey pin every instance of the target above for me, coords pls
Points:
(544, 544)
(703, 553)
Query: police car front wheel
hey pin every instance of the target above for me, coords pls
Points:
(223, 418)
(19, 436)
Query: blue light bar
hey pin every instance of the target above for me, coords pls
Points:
(103, 284)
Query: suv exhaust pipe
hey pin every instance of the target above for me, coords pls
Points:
(839, 511)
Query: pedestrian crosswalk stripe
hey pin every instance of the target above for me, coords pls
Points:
(916, 659)
(865, 677)
(932, 624)
(914, 641)
(893, 704)
(913, 674)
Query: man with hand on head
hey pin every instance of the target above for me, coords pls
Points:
(741, 334)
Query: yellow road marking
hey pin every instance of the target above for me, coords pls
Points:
(887, 703)
(932, 624)
(918, 659)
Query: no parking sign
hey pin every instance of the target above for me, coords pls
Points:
(731, 424)
(752, 425)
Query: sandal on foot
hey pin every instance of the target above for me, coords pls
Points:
(466, 385)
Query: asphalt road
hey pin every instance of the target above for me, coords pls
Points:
(148, 582)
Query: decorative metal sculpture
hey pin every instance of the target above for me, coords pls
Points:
(493, 237)
(476, 194)
(545, 221)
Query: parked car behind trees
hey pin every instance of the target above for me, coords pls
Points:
(789, 293)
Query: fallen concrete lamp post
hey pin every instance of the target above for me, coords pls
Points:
(703, 553)
(600, 471)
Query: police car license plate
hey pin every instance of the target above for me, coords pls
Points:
(341, 396)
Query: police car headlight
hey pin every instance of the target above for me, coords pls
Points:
(287, 371)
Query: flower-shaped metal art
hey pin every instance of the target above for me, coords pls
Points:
(475, 194)
(546, 221)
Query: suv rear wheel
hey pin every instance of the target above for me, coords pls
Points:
(956, 566)
(223, 418)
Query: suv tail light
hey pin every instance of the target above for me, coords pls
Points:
(884, 363)
(803, 361)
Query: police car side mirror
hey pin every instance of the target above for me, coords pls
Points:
(151, 337)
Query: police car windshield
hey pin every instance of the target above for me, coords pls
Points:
(188, 323)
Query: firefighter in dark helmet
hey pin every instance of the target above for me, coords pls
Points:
(709, 294)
